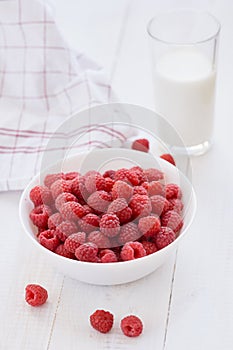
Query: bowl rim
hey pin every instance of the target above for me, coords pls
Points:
(23, 196)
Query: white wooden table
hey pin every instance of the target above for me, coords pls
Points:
(187, 303)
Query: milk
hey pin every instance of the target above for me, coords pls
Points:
(185, 92)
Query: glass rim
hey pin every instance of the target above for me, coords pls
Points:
(190, 11)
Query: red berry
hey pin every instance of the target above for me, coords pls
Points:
(65, 229)
(107, 256)
(95, 182)
(164, 237)
(60, 186)
(35, 295)
(89, 223)
(128, 233)
(99, 239)
(176, 205)
(51, 178)
(54, 220)
(74, 241)
(71, 175)
(39, 215)
(155, 188)
(159, 204)
(110, 225)
(102, 321)
(78, 188)
(153, 174)
(149, 226)
(62, 251)
(120, 207)
(150, 247)
(132, 250)
(109, 173)
(173, 191)
(121, 189)
(131, 326)
(141, 145)
(173, 220)
(87, 252)
(64, 198)
(168, 158)
(99, 201)
(40, 195)
(72, 211)
(140, 205)
(49, 239)
(139, 190)
(109, 184)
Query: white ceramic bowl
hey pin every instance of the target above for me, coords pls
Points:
(120, 272)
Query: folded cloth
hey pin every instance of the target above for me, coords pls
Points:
(42, 82)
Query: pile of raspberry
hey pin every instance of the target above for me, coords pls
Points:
(103, 218)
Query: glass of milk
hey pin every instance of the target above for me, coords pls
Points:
(184, 47)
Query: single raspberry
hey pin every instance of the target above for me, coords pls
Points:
(78, 188)
(64, 198)
(54, 220)
(128, 233)
(99, 201)
(173, 220)
(140, 190)
(132, 250)
(164, 237)
(121, 175)
(121, 189)
(110, 225)
(140, 173)
(35, 295)
(140, 205)
(109, 184)
(89, 223)
(107, 256)
(155, 188)
(142, 145)
(150, 247)
(71, 175)
(149, 226)
(60, 186)
(51, 178)
(95, 182)
(153, 174)
(131, 326)
(102, 321)
(87, 252)
(168, 158)
(62, 251)
(160, 205)
(109, 173)
(173, 191)
(176, 205)
(134, 177)
(39, 215)
(49, 239)
(65, 229)
(99, 239)
(74, 241)
(40, 195)
(72, 211)
(120, 207)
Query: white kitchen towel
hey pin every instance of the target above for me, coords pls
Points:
(42, 82)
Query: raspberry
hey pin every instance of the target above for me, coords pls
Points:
(65, 229)
(110, 225)
(78, 188)
(72, 211)
(99, 201)
(88, 209)
(61, 250)
(95, 182)
(71, 175)
(51, 178)
(102, 321)
(153, 174)
(149, 226)
(122, 174)
(140, 205)
(109, 184)
(59, 187)
(141, 145)
(140, 173)
(64, 198)
(139, 190)
(149, 247)
(87, 252)
(131, 326)
(132, 250)
(99, 239)
(89, 223)
(173, 191)
(109, 173)
(176, 205)
(168, 158)
(120, 207)
(35, 295)
(159, 204)
(121, 189)
(54, 220)
(155, 188)
(128, 233)
(164, 237)
(74, 241)
(107, 256)
(49, 239)
(40, 195)
(173, 220)
(40, 215)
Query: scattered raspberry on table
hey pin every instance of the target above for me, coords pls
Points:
(131, 326)
(102, 321)
(35, 295)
